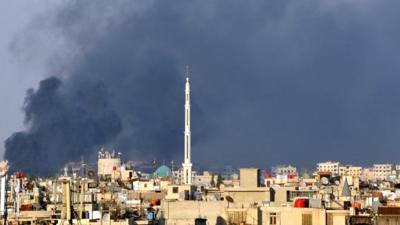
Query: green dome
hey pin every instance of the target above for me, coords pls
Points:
(163, 172)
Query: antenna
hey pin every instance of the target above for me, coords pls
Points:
(187, 71)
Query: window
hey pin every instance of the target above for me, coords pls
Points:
(306, 219)
(273, 218)
(175, 190)
(187, 115)
(187, 146)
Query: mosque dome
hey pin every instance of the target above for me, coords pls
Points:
(163, 172)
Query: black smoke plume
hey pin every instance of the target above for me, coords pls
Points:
(63, 126)
(277, 81)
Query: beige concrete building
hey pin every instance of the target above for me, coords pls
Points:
(204, 179)
(302, 216)
(368, 173)
(336, 217)
(179, 192)
(215, 212)
(246, 197)
(185, 212)
(381, 171)
(349, 170)
(351, 180)
(249, 193)
(329, 166)
(144, 185)
(249, 177)
(109, 165)
(284, 196)
(220, 213)
(292, 216)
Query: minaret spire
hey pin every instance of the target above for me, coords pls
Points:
(187, 162)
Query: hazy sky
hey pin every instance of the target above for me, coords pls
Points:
(277, 81)
(14, 79)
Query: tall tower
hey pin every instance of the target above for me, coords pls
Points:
(187, 163)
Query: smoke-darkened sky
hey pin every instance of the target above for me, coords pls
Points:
(273, 82)
(14, 79)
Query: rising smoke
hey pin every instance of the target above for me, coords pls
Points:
(63, 126)
(273, 81)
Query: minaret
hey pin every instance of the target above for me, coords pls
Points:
(187, 163)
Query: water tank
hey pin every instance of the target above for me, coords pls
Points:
(151, 216)
(301, 203)
(154, 202)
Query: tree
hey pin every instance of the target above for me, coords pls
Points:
(219, 180)
(305, 174)
(212, 182)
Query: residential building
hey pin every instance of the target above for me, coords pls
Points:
(329, 166)
(204, 179)
(285, 170)
(368, 173)
(381, 171)
(350, 170)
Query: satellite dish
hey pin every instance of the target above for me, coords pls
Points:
(337, 182)
(324, 181)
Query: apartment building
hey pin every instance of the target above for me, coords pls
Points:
(329, 166)
(349, 170)
(381, 171)
(285, 170)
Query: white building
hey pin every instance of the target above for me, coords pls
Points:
(109, 165)
(204, 179)
(397, 170)
(397, 167)
(285, 170)
(329, 166)
(178, 175)
(382, 171)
